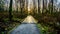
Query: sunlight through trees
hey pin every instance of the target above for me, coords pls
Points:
(47, 13)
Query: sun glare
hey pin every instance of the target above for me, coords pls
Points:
(29, 19)
(28, 9)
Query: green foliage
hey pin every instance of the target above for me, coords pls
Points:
(45, 29)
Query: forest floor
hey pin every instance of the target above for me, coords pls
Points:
(6, 26)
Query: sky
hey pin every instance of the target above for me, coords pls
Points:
(58, 2)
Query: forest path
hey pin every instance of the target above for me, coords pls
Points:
(28, 26)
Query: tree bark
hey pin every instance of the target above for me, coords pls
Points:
(10, 10)
(43, 7)
(38, 6)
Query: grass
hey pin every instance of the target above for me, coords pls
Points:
(39, 27)
(45, 30)
(9, 26)
(13, 28)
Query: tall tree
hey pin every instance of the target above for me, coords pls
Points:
(34, 6)
(55, 5)
(22, 2)
(39, 6)
(2, 5)
(10, 10)
(16, 2)
(43, 6)
(26, 6)
(52, 6)
(6, 5)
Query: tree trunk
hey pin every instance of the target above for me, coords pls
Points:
(38, 6)
(16, 1)
(52, 6)
(10, 10)
(21, 7)
(43, 7)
